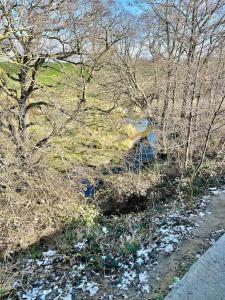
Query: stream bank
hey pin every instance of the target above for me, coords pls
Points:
(173, 238)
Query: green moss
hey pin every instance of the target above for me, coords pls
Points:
(35, 252)
(130, 248)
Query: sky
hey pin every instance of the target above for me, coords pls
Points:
(131, 8)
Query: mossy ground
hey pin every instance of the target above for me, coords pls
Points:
(91, 137)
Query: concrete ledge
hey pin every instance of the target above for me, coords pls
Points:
(206, 278)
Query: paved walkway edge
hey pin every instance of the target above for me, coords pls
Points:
(206, 278)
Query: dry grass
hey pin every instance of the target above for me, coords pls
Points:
(37, 204)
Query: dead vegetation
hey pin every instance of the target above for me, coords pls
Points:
(72, 76)
(36, 204)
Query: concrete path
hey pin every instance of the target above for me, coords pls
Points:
(206, 278)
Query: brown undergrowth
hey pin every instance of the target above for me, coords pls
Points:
(36, 204)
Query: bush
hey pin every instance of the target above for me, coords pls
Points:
(36, 204)
(127, 192)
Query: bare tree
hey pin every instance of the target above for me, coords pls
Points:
(185, 40)
(37, 33)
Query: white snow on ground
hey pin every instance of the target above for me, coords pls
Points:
(81, 245)
(49, 253)
(168, 248)
(90, 287)
(68, 297)
(105, 230)
(65, 283)
(215, 191)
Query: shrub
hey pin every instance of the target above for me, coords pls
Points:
(127, 192)
(36, 204)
